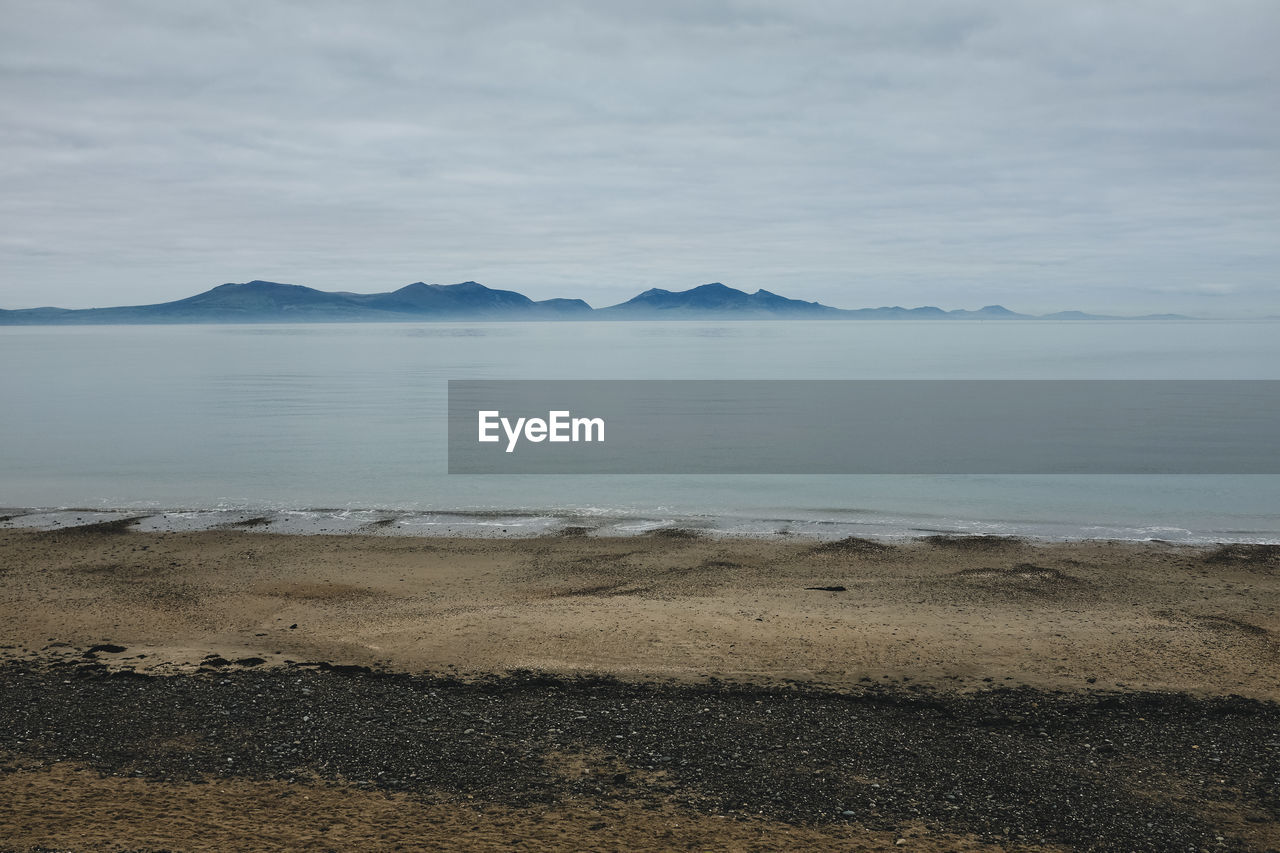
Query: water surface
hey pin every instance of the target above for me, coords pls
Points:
(351, 417)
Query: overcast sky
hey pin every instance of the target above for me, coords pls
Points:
(1043, 155)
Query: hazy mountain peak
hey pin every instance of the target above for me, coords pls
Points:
(713, 299)
(258, 292)
(256, 284)
(269, 301)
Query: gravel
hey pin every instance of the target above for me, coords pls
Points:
(1093, 771)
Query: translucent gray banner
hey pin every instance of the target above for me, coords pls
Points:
(864, 427)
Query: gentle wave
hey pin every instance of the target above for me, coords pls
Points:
(595, 522)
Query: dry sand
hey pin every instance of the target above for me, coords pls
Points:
(951, 614)
(79, 810)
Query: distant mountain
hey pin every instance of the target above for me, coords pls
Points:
(989, 312)
(272, 302)
(245, 302)
(1071, 315)
(254, 301)
(713, 299)
(468, 299)
(1080, 315)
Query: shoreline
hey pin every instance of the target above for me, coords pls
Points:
(527, 523)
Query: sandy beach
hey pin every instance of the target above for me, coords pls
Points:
(950, 613)
(953, 693)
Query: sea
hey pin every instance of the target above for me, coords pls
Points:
(342, 427)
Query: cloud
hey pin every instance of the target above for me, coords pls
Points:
(954, 153)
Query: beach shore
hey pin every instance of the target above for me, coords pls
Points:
(947, 612)
(1128, 688)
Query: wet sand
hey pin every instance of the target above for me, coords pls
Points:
(947, 625)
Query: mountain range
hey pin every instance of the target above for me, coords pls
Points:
(272, 302)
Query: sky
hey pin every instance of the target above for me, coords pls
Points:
(1104, 156)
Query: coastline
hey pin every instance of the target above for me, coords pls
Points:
(511, 523)
(649, 692)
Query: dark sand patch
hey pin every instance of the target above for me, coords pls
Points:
(248, 523)
(604, 590)
(854, 545)
(676, 533)
(1230, 625)
(1246, 555)
(111, 527)
(973, 543)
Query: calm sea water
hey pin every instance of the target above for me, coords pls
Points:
(328, 421)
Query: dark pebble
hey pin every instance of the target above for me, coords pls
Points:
(1089, 771)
